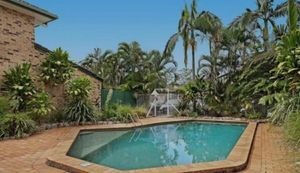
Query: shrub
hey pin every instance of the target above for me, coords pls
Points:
(117, 113)
(57, 69)
(16, 125)
(109, 112)
(139, 111)
(254, 115)
(123, 113)
(4, 105)
(56, 116)
(285, 98)
(79, 88)
(79, 109)
(40, 106)
(19, 85)
(292, 127)
(284, 106)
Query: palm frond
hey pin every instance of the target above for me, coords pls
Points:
(171, 44)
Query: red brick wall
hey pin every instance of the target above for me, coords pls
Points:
(17, 40)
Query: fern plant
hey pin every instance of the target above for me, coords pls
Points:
(20, 86)
(56, 69)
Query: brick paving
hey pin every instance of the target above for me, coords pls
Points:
(270, 154)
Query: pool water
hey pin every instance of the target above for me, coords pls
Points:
(158, 146)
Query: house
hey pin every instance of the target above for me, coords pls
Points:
(18, 20)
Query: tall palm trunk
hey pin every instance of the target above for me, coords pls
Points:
(266, 35)
(193, 44)
(193, 63)
(194, 71)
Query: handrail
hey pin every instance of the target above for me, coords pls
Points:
(132, 120)
(139, 119)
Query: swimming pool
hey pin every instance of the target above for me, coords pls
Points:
(157, 145)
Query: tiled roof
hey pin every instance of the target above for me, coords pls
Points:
(33, 8)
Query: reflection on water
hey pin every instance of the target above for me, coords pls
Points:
(162, 145)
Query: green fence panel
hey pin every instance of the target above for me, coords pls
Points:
(118, 97)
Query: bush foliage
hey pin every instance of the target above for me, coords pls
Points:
(16, 125)
(20, 86)
(79, 109)
(123, 113)
(56, 69)
(40, 106)
(4, 105)
(292, 128)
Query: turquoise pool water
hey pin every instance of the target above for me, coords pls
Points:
(158, 146)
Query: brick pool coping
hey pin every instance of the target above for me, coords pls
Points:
(236, 161)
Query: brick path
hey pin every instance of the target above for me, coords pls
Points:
(270, 152)
(269, 155)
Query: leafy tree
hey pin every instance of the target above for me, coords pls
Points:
(57, 68)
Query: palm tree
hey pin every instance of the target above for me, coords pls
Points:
(210, 25)
(158, 70)
(209, 68)
(130, 61)
(193, 41)
(239, 45)
(293, 15)
(187, 33)
(131, 68)
(261, 18)
(114, 68)
(152, 74)
(132, 54)
(95, 61)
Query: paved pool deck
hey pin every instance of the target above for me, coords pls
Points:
(270, 154)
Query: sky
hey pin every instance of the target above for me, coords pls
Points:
(85, 25)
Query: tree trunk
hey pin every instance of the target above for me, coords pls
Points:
(193, 44)
(266, 35)
(193, 63)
